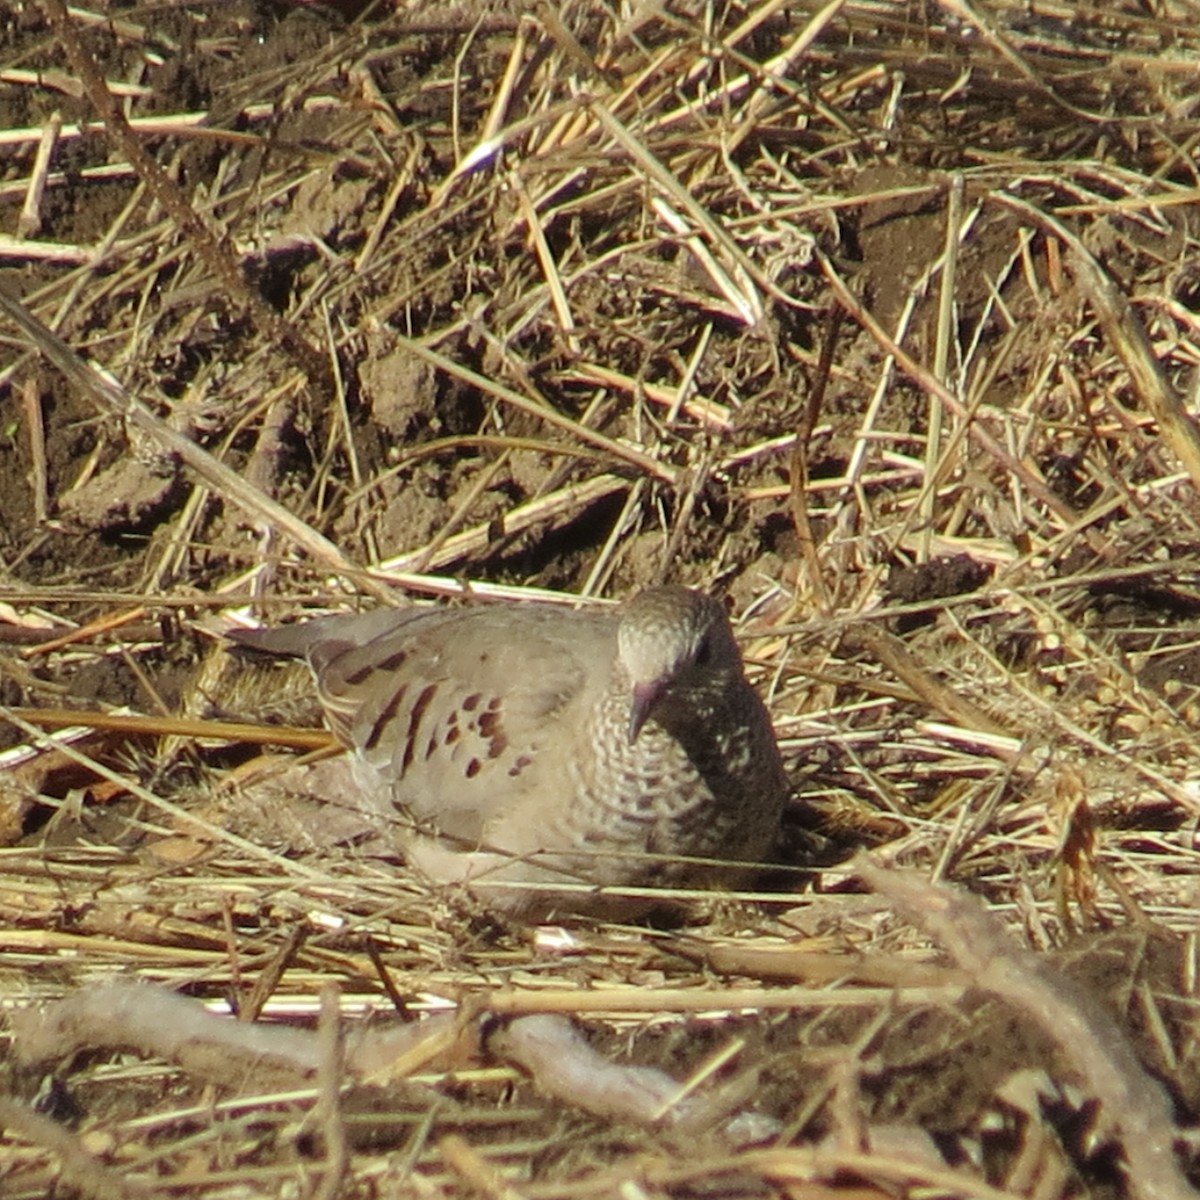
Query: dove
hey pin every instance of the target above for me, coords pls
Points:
(546, 757)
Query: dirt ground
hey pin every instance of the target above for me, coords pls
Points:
(879, 320)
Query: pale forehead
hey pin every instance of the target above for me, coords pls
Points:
(670, 614)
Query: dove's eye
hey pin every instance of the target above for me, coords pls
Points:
(703, 653)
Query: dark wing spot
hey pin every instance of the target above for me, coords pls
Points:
(384, 718)
(431, 746)
(471, 703)
(414, 724)
(452, 735)
(364, 672)
(494, 704)
(523, 760)
(491, 728)
(473, 768)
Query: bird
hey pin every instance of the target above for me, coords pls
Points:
(548, 757)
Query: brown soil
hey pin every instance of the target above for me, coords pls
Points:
(974, 614)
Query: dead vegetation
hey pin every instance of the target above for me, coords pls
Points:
(880, 318)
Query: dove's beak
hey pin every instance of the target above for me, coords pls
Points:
(644, 697)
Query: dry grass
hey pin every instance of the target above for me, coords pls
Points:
(881, 318)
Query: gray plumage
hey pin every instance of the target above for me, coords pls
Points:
(542, 746)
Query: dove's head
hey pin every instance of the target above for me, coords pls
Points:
(672, 641)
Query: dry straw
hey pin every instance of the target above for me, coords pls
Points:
(881, 318)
